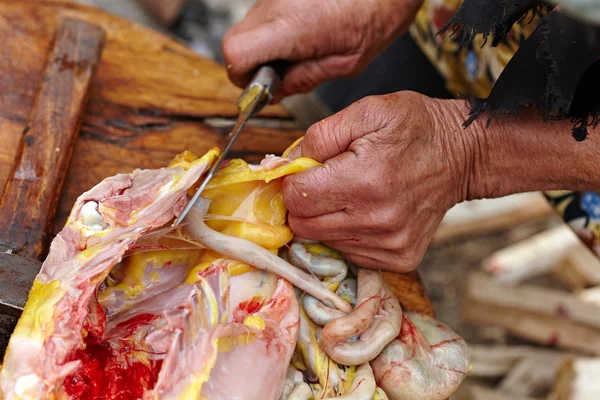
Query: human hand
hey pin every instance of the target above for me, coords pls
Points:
(393, 165)
(325, 39)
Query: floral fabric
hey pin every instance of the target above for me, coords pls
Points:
(472, 70)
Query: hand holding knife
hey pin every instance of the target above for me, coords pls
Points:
(257, 94)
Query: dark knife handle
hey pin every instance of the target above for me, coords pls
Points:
(280, 67)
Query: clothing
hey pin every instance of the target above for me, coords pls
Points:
(402, 66)
(471, 70)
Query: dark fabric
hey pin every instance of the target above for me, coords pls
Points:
(549, 70)
(490, 18)
(403, 66)
(555, 70)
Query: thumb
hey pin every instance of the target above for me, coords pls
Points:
(333, 136)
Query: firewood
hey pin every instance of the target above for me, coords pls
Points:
(544, 316)
(533, 256)
(590, 296)
(499, 360)
(579, 269)
(484, 393)
(532, 375)
(486, 216)
(577, 379)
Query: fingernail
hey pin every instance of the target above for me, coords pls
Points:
(296, 152)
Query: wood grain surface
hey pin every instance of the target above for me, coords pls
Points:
(150, 99)
(30, 198)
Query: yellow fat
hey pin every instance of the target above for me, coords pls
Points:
(187, 159)
(379, 394)
(272, 237)
(36, 321)
(253, 202)
(135, 268)
(319, 249)
(255, 321)
(240, 268)
(194, 388)
(193, 274)
(238, 171)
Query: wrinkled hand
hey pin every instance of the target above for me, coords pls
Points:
(393, 165)
(325, 38)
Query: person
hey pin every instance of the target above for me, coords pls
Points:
(394, 164)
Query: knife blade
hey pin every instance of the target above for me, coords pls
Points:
(253, 99)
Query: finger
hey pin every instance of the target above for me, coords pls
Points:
(321, 189)
(338, 226)
(375, 258)
(407, 248)
(334, 135)
(321, 228)
(307, 75)
(245, 47)
(364, 257)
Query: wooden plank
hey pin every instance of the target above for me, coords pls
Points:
(579, 269)
(543, 316)
(487, 216)
(531, 376)
(484, 393)
(577, 379)
(30, 199)
(533, 256)
(537, 328)
(494, 361)
(410, 291)
(590, 296)
(548, 302)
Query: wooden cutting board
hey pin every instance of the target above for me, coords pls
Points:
(149, 99)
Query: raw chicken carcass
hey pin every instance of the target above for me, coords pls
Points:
(228, 306)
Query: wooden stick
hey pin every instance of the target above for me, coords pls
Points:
(533, 256)
(579, 269)
(590, 296)
(531, 375)
(498, 360)
(30, 199)
(541, 315)
(484, 393)
(486, 216)
(577, 379)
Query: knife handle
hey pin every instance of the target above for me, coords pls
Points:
(270, 76)
(280, 67)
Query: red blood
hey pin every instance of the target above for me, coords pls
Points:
(443, 342)
(246, 308)
(129, 382)
(131, 325)
(90, 381)
(107, 373)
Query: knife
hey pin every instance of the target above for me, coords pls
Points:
(254, 98)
